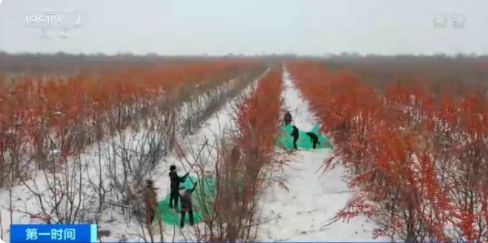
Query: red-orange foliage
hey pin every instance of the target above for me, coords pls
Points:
(258, 121)
(419, 159)
(33, 107)
(259, 114)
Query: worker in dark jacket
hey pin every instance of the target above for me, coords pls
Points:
(287, 118)
(175, 186)
(295, 134)
(187, 205)
(314, 138)
(150, 201)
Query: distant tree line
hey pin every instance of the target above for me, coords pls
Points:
(71, 63)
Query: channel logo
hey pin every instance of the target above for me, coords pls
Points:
(55, 20)
(55, 23)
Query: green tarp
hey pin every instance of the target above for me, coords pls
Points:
(199, 196)
(206, 196)
(304, 141)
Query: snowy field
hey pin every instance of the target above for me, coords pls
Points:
(314, 197)
(295, 215)
(26, 205)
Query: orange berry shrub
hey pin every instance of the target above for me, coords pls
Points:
(259, 116)
(417, 160)
(450, 137)
(250, 156)
(42, 117)
(212, 93)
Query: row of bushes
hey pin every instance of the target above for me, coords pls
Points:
(246, 154)
(45, 118)
(201, 107)
(417, 161)
(109, 174)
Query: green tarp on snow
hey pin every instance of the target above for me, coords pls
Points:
(304, 141)
(199, 196)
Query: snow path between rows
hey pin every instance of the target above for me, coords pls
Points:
(313, 198)
(212, 130)
(113, 220)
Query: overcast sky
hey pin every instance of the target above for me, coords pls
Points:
(218, 27)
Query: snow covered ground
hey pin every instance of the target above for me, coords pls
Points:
(212, 130)
(313, 198)
(24, 203)
(297, 215)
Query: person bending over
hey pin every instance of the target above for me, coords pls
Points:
(187, 205)
(314, 138)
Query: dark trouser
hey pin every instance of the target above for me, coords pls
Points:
(173, 200)
(150, 213)
(295, 139)
(190, 215)
(295, 135)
